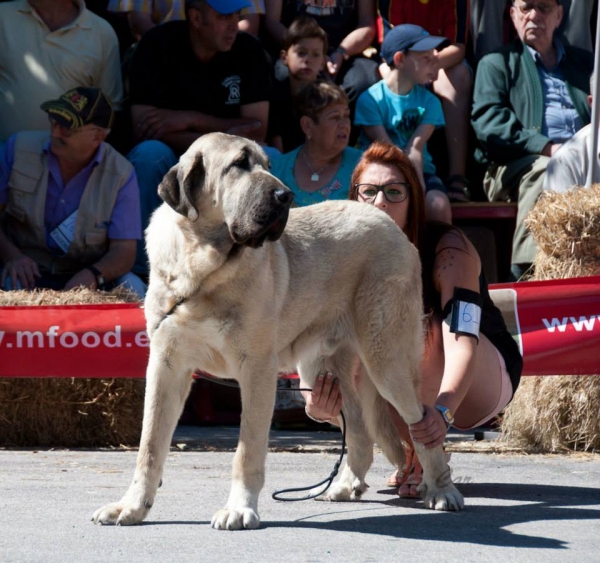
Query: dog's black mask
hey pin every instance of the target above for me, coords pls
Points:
(271, 230)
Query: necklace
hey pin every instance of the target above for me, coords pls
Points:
(315, 175)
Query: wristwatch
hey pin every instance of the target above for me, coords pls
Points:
(343, 52)
(99, 277)
(446, 415)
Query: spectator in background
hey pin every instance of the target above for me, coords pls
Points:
(46, 48)
(529, 98)
(450, 19)
(398, 110)
(304, 55)
(70, 202)
(143, 15)
(570, 165)
(487, 24)
(320, 169)
(350, 28)
(189, 78)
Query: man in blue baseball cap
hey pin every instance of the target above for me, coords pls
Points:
(224, 7)
(399, 110)
(189, 78)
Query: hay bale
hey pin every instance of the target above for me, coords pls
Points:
(57, 412)
(567, 226)
(78, 296)
(555, 414)
(560, 413)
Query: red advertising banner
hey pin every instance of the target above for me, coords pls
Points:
(103, 341)
(556, 323)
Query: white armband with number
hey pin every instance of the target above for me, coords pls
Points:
(463, 312)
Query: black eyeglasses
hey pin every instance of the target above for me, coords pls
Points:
(394, 192)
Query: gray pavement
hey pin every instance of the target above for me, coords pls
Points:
(518, 507)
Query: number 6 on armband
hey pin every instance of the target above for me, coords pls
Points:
(463, 312)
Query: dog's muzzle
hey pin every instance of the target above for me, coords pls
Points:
(272, 226)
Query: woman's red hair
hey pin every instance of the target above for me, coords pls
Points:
(384, 153)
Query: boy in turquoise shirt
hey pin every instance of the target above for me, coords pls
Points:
(400, 111)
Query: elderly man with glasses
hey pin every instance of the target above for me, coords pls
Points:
(529, 98)
(69, 202)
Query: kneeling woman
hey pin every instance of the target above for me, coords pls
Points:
(471, 365)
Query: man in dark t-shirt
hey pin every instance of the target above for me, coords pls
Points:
(200, 75)
(189, 78)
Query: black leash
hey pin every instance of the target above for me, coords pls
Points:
(327, 481)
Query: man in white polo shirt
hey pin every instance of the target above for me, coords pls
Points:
(46, 48)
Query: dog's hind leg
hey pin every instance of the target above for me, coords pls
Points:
(168, 383)
(437, 488)
(390, 345)
(258, 385)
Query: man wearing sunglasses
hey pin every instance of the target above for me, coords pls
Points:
(69, 202)
(529, 98)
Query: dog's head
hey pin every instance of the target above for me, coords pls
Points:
(224, 178)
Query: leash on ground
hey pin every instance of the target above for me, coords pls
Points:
(277, 495)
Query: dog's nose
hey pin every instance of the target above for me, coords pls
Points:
(283, 196)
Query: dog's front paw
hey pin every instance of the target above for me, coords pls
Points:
(120, 514)
(226, 519)
(445, 498)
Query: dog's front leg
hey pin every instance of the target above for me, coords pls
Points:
(258, 386)
(168, 384)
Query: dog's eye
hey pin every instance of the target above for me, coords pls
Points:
(242, 161)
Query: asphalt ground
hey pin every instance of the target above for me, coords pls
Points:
(518, 507)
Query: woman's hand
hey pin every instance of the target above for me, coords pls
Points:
(431, 430)
(324, 402)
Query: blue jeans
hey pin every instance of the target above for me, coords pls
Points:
(132, 282)
(433, 182)
(151, 161)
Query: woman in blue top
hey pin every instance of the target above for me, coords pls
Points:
(321, 168)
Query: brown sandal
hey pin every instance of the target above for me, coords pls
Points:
(400, 475)
(457, 186)
(411, 475)
(412, 482)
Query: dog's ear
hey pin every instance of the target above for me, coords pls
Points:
(181, 195)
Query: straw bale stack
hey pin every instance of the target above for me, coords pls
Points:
(66, 412)
(560, 413)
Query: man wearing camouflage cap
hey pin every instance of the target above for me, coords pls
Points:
(69, 202)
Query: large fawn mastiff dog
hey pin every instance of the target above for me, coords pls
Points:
(234, 294)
